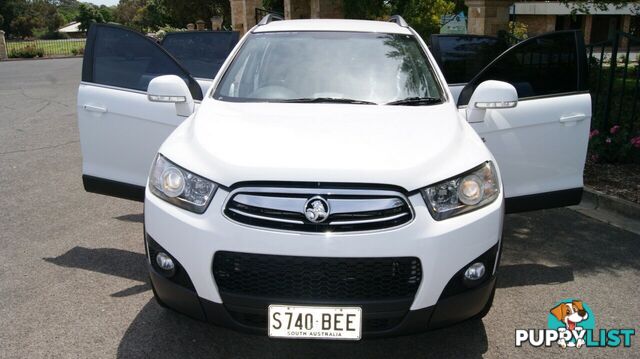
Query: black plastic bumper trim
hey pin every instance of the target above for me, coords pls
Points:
(175, 296)
(462, 306)
(446, 312)
(567, 197)
(113, 188)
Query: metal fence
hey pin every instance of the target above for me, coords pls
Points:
(615, 82)
(48, 48)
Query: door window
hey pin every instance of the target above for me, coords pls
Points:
(461, 57)
(120, 57)
(546, 65)
(202, 53)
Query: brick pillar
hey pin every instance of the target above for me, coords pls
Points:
(297, 9)
(625, 26)
(237, 15)
(3, 47)
(586, 28)
(326, 9)
(487, 17)
(250, 13)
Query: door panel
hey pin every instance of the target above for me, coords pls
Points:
(120, 129)
(541, 144)
(120, 142)
(537, 152)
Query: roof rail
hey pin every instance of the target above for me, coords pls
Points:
(270, 17)
(398, 20)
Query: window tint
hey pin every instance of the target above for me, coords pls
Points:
(201, 52)
(541, 66)
(125, 58)
(461, 57)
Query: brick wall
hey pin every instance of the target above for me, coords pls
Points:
(538, 24)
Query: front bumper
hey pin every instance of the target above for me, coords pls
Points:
(447, 311)
(444, 248)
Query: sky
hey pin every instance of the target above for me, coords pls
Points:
(103, 2)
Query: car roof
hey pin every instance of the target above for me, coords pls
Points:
(333, 25)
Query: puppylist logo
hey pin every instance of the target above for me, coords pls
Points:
(571, 324)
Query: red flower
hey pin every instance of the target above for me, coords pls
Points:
(614, 129)
(608, 140)
(636, 142)
(594, 158)
(593, 133)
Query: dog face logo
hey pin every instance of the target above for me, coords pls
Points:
(316, 209)
(571, 314)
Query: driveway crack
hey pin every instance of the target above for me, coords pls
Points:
(39, 148)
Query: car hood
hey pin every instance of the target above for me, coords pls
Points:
(406, 146)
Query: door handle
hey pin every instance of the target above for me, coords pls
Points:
(573, 118)
(95, 108)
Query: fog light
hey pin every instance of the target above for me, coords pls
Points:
(165, 262)
(475, 271)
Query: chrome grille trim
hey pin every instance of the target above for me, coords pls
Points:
(277, 203)
(370, 220)
(351, 210)
(264, 217)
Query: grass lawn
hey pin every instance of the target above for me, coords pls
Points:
(65, 47)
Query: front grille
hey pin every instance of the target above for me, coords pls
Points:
(344, 210)
(316, 278)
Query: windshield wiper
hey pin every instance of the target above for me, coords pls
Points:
(329, 100)
(415, 101)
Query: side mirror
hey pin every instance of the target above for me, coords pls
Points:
(490, 95)
(171, 89)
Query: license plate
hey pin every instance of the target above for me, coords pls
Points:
(306, 322)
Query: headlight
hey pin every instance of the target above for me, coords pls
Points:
(464, 193)
(179, 186)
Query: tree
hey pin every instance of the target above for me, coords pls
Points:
(365, 9)
(423, 15)
(127, 10)
(87, 15)
(152, 16)
(68, 9)
(24, 18)
(273, 5)
(586, 6)
(189, 11)
(107, 12)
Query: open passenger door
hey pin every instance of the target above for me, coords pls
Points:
(120, 128)
(540, 144)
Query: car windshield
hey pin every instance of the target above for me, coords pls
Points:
(343, 67)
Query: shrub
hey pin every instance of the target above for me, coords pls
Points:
(77, 51)
(54, 35)
(519, 29)
(27, 52)
(614, 146)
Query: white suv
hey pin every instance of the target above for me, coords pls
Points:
(328, 183)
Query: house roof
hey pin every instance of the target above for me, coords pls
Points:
(70, 27)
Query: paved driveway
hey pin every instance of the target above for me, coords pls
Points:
(73, 282)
